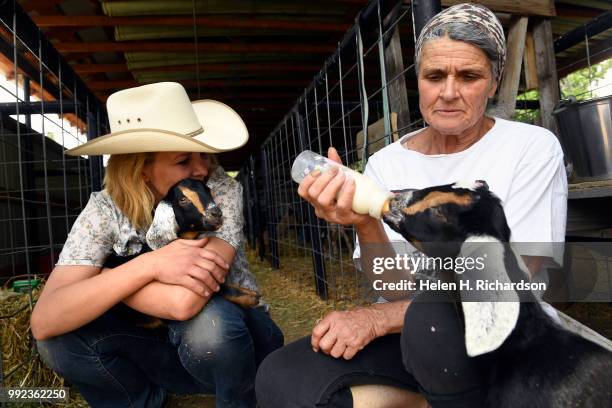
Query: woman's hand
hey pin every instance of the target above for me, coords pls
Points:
(187, 263)
(331, 194)
(344, 334)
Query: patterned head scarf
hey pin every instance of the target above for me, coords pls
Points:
(474, 15)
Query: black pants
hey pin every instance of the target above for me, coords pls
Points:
(428, 357)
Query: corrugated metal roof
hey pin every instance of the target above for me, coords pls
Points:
(248, 73)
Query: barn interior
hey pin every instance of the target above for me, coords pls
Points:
(302, 75)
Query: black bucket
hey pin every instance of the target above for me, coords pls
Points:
(585, 133)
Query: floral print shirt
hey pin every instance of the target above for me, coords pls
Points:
(102, 228)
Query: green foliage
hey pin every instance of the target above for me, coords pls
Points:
(527, 115)
(575, 84)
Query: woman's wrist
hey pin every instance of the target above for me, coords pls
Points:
(150, 265)
(389, 317)
(370, 230)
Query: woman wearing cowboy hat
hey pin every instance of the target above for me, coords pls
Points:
(158, 138)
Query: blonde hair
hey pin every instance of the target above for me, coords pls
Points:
(123, 181)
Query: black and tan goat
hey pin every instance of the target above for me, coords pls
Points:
(187, 211)
(534, 362)
(196, 212)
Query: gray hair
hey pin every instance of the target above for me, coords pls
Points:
(470, 34)
(473, 24)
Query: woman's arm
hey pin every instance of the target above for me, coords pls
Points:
(343, 334)
(176, 302)
(76, 295)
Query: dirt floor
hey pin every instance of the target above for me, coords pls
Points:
(294, 306)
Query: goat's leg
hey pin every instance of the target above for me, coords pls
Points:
(243, 297)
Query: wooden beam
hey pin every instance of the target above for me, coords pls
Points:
(212, 67)
(506, 101)
(209, 22)
(571, 11)
(398, 98)
(6, 67)
(547, 72)
(236, 95)
(40, 5)
(221, 83)
(574, 61)
(93, 47)
(99, 68)
(519, 7)
(576, 36)
(529, 62)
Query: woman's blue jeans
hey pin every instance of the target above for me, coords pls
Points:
(115, 364)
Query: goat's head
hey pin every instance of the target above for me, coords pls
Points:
(457, 220)
(437, 220)
(194, 207)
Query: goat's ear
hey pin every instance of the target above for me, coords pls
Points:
(169, 196)
(164, 228)
(490, 315)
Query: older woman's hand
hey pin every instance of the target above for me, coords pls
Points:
(187, 263)
(331, 194)
(344, 334)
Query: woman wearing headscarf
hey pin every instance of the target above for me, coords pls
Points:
(417, 346)
(209, 345)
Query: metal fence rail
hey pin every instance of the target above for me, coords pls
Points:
(360, 101)
(364, 98)
(44, 109)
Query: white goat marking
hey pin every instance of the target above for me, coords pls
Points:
(467, 184)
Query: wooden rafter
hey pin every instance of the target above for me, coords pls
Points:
(92, 47)
(7, 68)
(128, 83)
(233, 95)
(213, 67)
(40, 5)
(570, 11)
(209, 22)
(575, 61)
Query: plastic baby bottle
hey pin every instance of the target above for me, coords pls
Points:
(368, 198)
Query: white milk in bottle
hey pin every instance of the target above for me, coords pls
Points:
(368, 199)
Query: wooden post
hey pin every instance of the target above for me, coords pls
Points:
(506, 101)
(529, 63)
(398, 98)
(422, 12)
(547, 72)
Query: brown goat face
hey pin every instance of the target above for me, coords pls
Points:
(194, 207)
(438, 219)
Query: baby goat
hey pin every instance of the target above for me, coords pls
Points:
(187, 211)
(196, 212)
(534, 361)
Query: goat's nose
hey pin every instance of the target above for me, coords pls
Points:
(215, 212)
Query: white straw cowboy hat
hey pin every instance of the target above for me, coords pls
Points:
(159, 117)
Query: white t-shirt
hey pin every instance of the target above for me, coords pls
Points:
(521, 163)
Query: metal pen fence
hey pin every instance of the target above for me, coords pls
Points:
(44, 109)
(363, 98)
